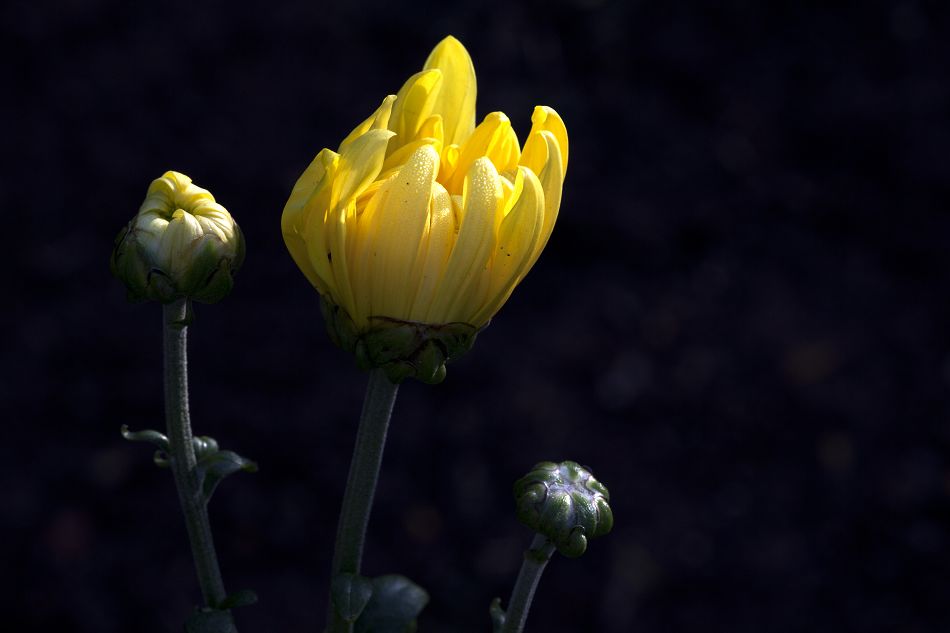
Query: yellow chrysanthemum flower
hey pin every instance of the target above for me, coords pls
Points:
(422, 219)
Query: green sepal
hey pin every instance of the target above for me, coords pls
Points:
(497, 615)
(394, 606)
(242, 598)
(390, 343)
(132, 264)
(159, 286)
(340, 326)
(210, 277)
(350, 594)
(126, 266)
(564, 503)
(207, 620)
(430, 359)
(457, 338)
(215, 466)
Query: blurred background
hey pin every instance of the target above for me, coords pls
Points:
(740, 322)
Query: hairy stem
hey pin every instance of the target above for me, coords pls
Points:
(361, 482)
(535, 560)
(182, 453)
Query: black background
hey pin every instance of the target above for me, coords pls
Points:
(740, 322)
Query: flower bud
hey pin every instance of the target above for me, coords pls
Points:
(181, 245)
(564, 503)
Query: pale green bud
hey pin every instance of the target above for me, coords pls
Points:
(181, 245)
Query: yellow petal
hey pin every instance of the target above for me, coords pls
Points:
(413, 106)
(176, 242)
(493, 138)
(546, 119)
(429, 133)
(313, 234)
(481, 198)
(437, 246)
(340, 221)
(365, 243)
(311, 180)
(432, 128)
(517, 239)
(379, 120)
(401, 223)
(508, 181)
(450, 160)
(214, 220)
(456, 98)
(359, 165)
(310, 197)
(543, 149)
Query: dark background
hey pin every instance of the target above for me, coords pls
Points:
(740, 322)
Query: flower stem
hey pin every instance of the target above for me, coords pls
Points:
(535, 560)
(361, 482)
(182, 453)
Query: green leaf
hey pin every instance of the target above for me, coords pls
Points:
(350, 594)
(394, 607)
(214, 467)
(237, 599)
(209, 621)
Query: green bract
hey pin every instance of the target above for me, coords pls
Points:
(403, 349)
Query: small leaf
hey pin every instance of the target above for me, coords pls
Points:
(237, 599)
(497, 615)
(350, 594)
(209, 621)
(150, 436)
(216, 466)
(394, 607)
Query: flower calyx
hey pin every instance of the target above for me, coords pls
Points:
(402, 349)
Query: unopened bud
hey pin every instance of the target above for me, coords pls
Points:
(564, 503)
(181, 245)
